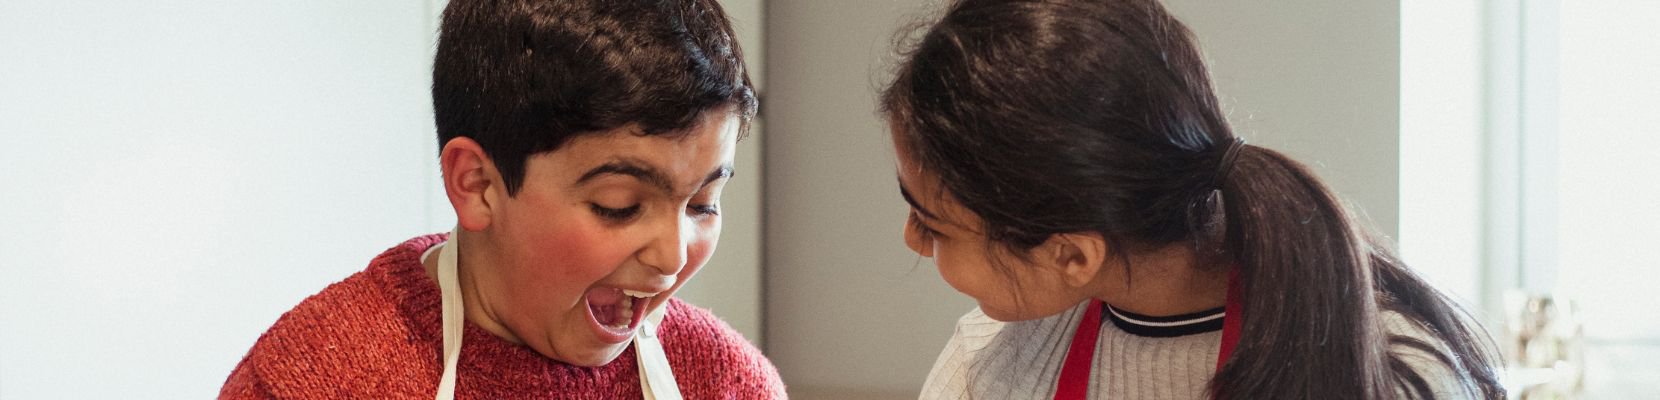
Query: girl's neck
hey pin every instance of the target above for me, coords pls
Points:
(1164, 282)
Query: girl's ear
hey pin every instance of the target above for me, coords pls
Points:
(471, 182)
(1078, 257)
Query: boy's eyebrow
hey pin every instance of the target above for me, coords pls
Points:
(639, 170)
(724, 171)
(648, 174)
(914, 204)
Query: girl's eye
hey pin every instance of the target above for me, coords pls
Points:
(615, 214)
(926, 232)
(704, 210)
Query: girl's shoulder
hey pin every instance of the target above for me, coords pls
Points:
(997, 359)
(975, 327)
(1426, 355)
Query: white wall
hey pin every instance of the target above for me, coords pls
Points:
(179, 173)
(1606, 196)
(849, 309)
(1441, 143)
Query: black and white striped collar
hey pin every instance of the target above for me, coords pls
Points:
(1171, 326)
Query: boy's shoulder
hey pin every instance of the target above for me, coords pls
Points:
(689, 328)
(712, 360)
(350, 331)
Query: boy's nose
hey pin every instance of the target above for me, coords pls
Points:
(667, 250)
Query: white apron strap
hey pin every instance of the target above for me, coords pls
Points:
(449, 289)
(656, 379)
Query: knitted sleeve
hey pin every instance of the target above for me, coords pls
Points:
(244, 384)
(343, 342)
(713, 361)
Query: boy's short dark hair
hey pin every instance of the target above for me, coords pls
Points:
(522, 77)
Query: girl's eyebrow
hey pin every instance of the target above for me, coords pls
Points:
(914, 204)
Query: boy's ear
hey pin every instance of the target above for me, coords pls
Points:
(471, 182)
(1078, 256)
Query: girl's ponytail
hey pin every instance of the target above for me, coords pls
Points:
(1316, 286)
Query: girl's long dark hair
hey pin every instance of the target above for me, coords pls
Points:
(1056, 116)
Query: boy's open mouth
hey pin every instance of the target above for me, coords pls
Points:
(617, 312)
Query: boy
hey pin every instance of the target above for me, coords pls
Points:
(584, 147)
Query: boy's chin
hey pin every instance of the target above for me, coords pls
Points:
(596, 356)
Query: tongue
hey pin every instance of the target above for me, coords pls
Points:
(603, 302)
(604, 296)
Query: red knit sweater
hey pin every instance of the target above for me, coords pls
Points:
(377, 334)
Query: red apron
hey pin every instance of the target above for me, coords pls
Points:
(1074, 379)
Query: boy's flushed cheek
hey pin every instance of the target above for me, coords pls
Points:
(583, 255)
(697, 253)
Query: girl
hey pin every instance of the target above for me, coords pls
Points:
(1067, 166)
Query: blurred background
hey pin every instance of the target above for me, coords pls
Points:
(175, 174)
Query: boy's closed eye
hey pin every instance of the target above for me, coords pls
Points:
(622, 214)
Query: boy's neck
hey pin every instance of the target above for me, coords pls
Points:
(476, 311)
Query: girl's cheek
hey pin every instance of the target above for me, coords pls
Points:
(960, 273)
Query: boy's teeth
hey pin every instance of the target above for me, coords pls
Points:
(632, 293)
(625, 313)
